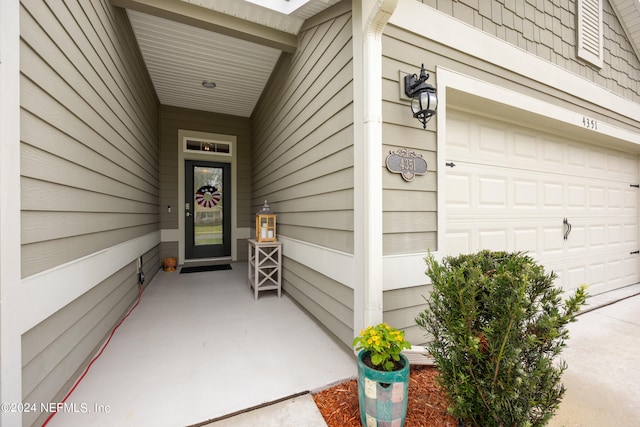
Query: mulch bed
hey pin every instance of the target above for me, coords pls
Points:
(427, 405)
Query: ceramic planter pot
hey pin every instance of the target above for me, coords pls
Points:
(382, 394)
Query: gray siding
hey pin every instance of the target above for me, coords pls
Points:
(327, 300)
(303, 127)
(547, 28)
(57, 350)
(171, 120)
(404, 51)
(243, 249)
(89, 157)
(303, 159)
(89, 174)
(402, 306)
(169, 250)
(410, 209)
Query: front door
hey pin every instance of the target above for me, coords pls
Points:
(207, 209)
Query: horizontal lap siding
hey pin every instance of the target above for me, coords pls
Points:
(327, 300)
(303, 146)
(89, 175)
(173, 119)
(405, 51)
(55, 351)
(169, 250)
(303, 160)
(89, 156)
(409, 209)
(402, 306)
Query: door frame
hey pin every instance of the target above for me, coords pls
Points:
(184, 155)
(196, 252)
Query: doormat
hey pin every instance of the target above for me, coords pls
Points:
(201, 268)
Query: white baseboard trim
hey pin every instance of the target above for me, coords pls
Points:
(340, 266)
(45, 293)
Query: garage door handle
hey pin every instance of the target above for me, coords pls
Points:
(567, 228)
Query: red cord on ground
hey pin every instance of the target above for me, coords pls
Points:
(96, 356)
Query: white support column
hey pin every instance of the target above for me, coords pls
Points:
(10, 345)
(369, 20)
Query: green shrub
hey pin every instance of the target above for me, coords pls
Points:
(497, 324)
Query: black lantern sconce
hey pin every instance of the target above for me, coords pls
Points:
(423, 96)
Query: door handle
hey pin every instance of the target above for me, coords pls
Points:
(188, 213)
(567, 228)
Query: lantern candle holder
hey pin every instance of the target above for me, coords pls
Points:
(265, 224)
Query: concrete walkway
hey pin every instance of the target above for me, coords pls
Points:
(603, 357)
(160, 367)
(602, 379)
(295, 412)
(199, 347)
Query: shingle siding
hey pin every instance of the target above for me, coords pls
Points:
(547, 28)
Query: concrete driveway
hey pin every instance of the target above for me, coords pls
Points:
(603, 355)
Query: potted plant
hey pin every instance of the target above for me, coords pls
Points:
(497, 325)
(383, 376)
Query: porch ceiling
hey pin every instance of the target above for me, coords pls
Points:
(233, 43)
(236, 44)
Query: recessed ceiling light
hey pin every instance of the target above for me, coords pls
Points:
(208, 84)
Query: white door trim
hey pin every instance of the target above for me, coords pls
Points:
(182, 156)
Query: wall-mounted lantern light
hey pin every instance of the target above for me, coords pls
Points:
(423, 96)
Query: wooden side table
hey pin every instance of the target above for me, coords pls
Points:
(265, 266)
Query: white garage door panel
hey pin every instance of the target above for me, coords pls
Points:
(525, 149)
(511, 189)
(471, 185)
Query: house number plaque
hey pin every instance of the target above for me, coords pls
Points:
(407, 163)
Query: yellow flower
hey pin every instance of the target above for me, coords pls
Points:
(369, 341)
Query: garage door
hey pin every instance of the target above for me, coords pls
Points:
(572, 206)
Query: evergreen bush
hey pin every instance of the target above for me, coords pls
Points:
(497, 325)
